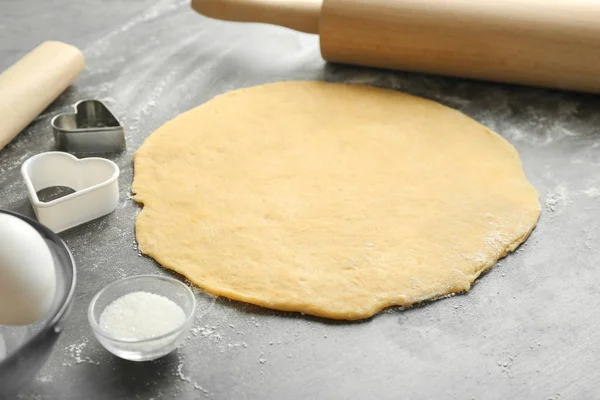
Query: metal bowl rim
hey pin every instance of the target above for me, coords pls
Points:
(65, 301)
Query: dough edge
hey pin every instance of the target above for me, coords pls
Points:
(367, 311)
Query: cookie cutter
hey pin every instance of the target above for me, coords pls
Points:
(94, 182)
(92, 128)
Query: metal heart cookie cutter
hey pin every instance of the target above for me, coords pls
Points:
(93, 183)
(91, 129)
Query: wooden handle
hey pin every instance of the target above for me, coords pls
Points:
(30, 85)
(552, 43)
(301, 15)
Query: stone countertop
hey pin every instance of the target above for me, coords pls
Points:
(528, 328)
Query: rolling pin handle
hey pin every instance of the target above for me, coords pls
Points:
(35, 81)
(300, 15)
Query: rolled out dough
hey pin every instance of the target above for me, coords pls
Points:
(329, 199)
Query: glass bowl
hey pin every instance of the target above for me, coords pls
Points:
(25, 349)
(143, 349)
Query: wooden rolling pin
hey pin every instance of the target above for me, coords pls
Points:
(551, 43)
(30, 85)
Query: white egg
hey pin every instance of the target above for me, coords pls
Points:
(27, 273)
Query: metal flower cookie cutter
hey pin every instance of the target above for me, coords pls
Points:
(92, 183)
(91, 129)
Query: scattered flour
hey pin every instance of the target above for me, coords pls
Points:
(188, 379)
(136, 247)
(262, 359)
(224, 341)
(505, 365)
(236, 345)
(100, 46)
(30, 397)
(76, 350)
(557, 199)
(590, 240)
(591, 192)
(45, 378)
(206, 331)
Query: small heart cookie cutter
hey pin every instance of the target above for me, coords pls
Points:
(94, 180)
(92, 128)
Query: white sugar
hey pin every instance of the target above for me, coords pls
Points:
(141, 315)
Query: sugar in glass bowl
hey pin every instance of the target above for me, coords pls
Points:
(137, 307)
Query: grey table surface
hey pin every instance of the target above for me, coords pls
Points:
(528, 329)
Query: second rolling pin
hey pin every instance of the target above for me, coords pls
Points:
(30, 85)
(552, 43)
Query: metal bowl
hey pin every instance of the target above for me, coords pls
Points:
(25, 349)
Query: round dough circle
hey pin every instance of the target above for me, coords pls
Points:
(329, 199)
